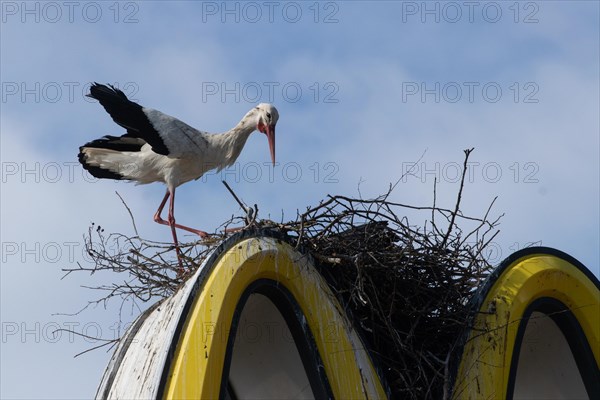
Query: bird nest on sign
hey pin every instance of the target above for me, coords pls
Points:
(406, 287)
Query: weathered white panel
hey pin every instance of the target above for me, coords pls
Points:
(135, 369)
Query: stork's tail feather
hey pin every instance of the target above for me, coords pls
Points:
(110, 156)
(94, 170)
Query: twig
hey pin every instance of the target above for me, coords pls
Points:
(130, 214)
(458, 198)
(235, 196)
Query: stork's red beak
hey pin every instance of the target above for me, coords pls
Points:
(270, 132)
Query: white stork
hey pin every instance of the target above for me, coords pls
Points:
(161, 148)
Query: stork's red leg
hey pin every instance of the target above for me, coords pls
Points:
(171, 222)
(157, 217)
(198, 232)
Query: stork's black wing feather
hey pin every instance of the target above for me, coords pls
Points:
(129, 115)
(123, 143)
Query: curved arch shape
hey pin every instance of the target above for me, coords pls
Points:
(293, 317)
(509, 296)
(543, 310)
(198, 366)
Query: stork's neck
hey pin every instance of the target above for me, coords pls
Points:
(232, 142)
(244, 128)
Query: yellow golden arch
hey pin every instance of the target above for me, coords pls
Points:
(334, 358)
(536, 286)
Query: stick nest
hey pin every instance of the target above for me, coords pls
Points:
(406, 287)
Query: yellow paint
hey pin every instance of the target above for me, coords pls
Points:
(198, 363)
(485, 364)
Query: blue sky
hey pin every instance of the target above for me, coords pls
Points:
(363, 89)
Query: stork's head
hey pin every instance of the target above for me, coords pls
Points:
(265, 123)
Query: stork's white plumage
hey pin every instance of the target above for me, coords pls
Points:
(161, 148)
